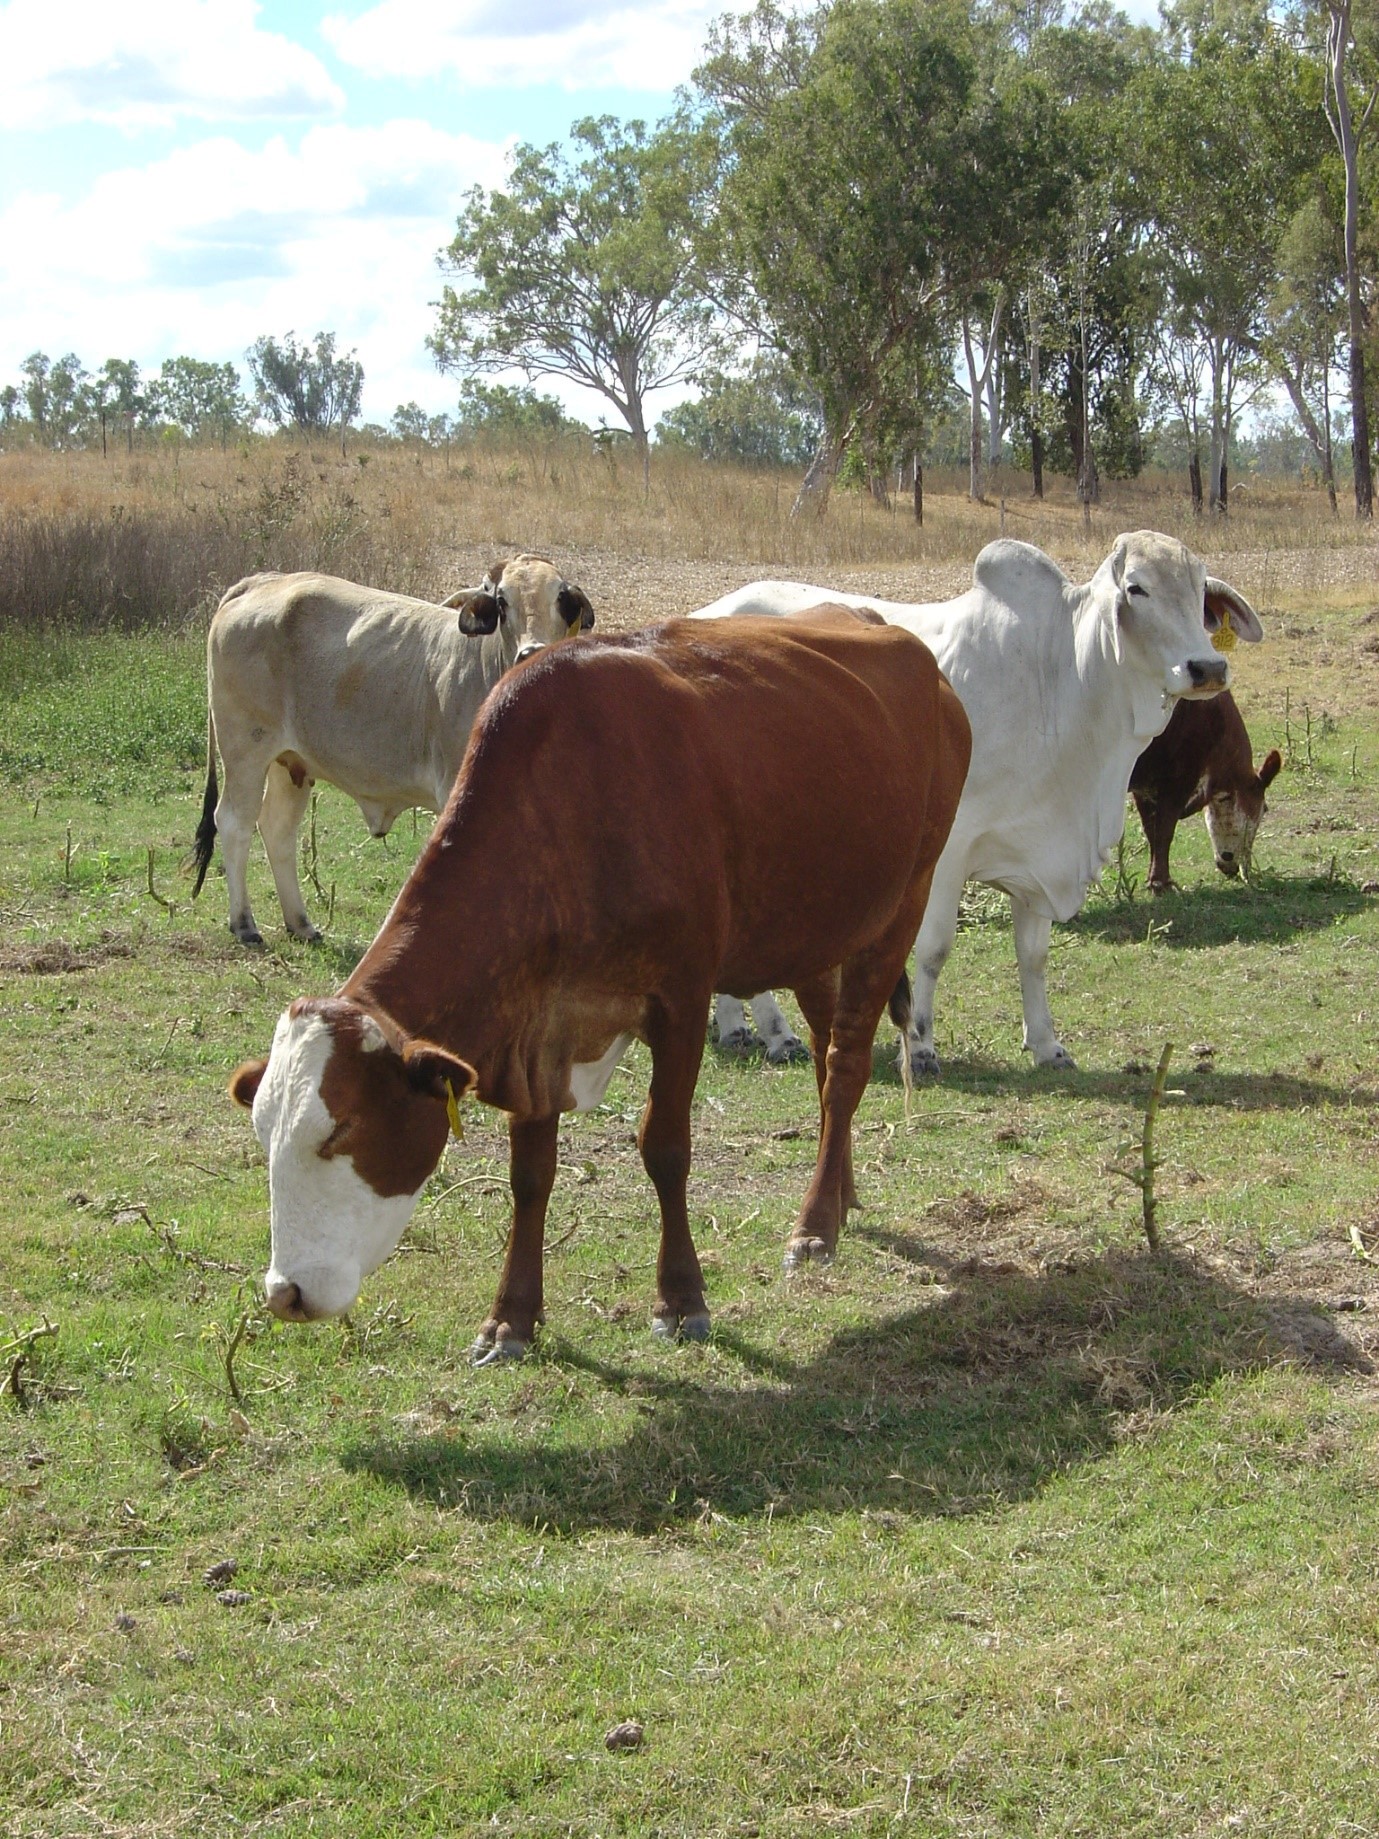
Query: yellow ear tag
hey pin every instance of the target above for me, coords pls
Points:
(452, 1111)
(1223, 639)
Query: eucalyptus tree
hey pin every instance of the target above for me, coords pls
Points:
(1225, 141)
(587, 266)
(843, 131)
(1351, 62)
(202, 399)
(1306, 322)
(306, 386)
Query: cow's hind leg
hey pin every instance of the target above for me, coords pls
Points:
(863, 987)
(783, 1046)
(284, 806)
(236, 819)
(677, 1046)
(519, 1307)
(1032, 933)
(818, 1000)
(937, 931)
(734, 1036)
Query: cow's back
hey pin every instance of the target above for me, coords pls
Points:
(750, 791)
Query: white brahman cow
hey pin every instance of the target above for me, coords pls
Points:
(1064, 686)
(310, 677)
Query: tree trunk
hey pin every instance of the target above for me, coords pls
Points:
(1347, 140)
(817, 483)
(1221, 503)
(1194, 479)
(1036, 454)
(919, 491)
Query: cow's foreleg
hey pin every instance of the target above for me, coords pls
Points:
(518, 1306)
(677, 1046)
(937, 931)
(1032, 933)
(1159, 818)
(284, 806)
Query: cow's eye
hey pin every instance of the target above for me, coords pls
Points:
(1135, 588)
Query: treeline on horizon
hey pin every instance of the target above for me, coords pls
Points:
(891, 232)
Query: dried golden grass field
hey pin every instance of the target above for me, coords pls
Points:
(997, 1527)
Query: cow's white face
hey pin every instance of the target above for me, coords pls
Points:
(352, 1127)
(530, 602)
(1233, 817)
(1163, 614)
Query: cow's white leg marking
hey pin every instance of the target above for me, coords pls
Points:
(937, 931)
(1032, 933)
(783, 1046)
(280, 819)
(734, 1036)
(589, 1081)
(236, 819)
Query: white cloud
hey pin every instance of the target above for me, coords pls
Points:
(202, 251)
(148, 63)
(575, 43)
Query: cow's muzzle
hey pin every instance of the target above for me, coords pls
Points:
(285, 1300)
(1208, 676)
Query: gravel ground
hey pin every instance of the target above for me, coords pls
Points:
(633, 590)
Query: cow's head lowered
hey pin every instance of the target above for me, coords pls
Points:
(1166, 607)
(529, 601)
(353, 1118)
(1233, 808)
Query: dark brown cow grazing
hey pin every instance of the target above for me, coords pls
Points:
(1202, 762)
(639, 821)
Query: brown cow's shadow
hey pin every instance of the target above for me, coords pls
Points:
(1194, 1085)
(1267, 910)
(1004, 1382)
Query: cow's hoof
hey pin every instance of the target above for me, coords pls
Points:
(739, 1041)
(492, 1349)
(924, 1063)
(789, 1051)
(307, 933)
(673, 1327)
(800, 1252)
(246, 935)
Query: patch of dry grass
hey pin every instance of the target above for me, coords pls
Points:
(155, 537)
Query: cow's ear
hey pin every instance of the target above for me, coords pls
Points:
(1269, 770)
(435, 1072)
(246, 1081)
(479, 614)
(458, 598)
(574, 605)
(1222, 602)
(1196, 803)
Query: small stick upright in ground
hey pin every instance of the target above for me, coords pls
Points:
(1143, 1176)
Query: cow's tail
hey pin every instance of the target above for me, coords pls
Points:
(203, 847)
(902, 1008)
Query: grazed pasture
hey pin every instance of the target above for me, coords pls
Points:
(996, 1527)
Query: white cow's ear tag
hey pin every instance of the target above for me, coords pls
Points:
(1223, 639)
(452, 1111)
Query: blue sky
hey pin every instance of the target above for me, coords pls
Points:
(179, 176)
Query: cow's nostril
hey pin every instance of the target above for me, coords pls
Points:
(285, 1300)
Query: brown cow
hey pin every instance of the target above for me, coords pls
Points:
(1202, 762)
(639, 821)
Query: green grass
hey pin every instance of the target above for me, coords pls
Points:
(997, 1527)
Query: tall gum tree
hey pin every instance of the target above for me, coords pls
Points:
(587, 266)
(844, 135)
